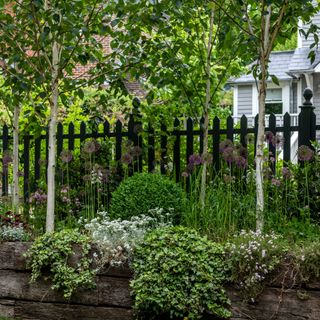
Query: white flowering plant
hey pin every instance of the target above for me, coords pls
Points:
(253, 256)
(117, 239)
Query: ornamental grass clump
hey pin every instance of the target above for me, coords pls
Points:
(179, 274)
(117, 239)
(144, 191)
(252, 256)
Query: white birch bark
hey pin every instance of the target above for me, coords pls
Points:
(52, 137)
(264, 59)
(16, 192)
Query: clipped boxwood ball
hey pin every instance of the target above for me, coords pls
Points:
(144, 191)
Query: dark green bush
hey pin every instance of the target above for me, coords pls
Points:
(177, 274)
(144, 191)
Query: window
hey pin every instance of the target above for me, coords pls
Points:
(274, 101)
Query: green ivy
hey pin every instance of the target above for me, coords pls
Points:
(178, 273)
(49, 257)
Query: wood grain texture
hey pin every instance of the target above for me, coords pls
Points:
(111, 298)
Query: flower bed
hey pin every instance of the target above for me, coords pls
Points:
(111, 298)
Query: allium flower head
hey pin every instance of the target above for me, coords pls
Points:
(91, 146)
(277, 141)
(135, 151)
(225, 145)
(66, 156)
(126, 158)
(286, 173)
(228, 155)
(241, 162)
(305, 153)
(269, 136)
(243, 152)
(7, 158)
(275, 182)
(195, 160)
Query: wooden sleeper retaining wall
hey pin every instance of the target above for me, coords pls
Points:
(111, 298)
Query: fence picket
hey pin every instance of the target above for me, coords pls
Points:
(201, 134)
(37, 156)
(59, 139)
(243, 130)
(176, 149)
(151, 151)
(164, 144)
(216, 142)
(286, 138)
(26, 172)
(82, 132)
(71, 136)
(5, 145)
(272, 146)
(230, 125)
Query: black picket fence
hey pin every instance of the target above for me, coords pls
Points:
(186, 139)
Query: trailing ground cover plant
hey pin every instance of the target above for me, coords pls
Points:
(138, 194)
(49, 257)
(177, 274)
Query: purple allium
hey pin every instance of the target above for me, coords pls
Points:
(305, 153)
(228, 155)
(267, 173)
(66, 156)
(91, 146)
(185, 174)
(269, 136)
(277, 141)
(135, 151)
(275, 182)
(286, 173)
(243, 152)
(272, 159)
(195, 160)
(38, 198)
(241, 162)
(225, 145)
(7, 158)
(126, 158)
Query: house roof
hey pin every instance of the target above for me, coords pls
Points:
(300, 61)
(278, 66)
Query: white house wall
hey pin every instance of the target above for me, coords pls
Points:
(316, 95)
(244, 100)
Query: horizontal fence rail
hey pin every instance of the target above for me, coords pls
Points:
(163, 148)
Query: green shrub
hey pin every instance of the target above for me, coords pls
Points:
(144, 191)
(49, 255)
(178, 273)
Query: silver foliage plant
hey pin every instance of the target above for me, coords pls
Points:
(13, 233)
(117, 239)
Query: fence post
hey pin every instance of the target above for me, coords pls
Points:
(307, 120)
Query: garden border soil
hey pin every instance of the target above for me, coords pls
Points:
(111, 298)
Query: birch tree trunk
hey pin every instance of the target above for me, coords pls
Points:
(206, 113)
(262, 87)
(16, 193)
(52, 138)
